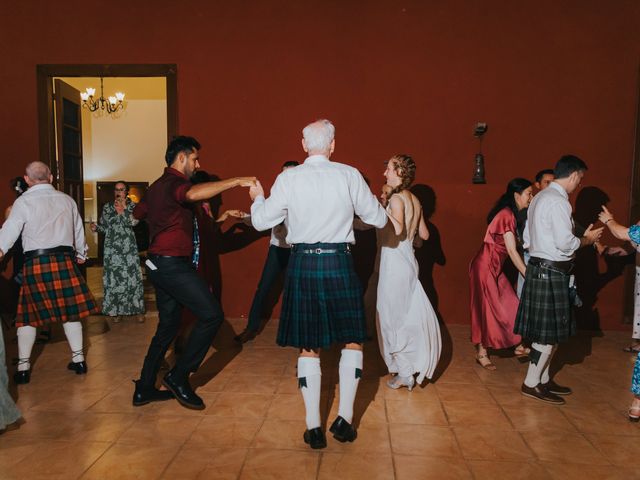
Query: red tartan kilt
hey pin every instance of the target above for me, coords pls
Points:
(53, 290)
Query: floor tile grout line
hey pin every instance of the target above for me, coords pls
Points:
(96, 460)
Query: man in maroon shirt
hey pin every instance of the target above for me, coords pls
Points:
(168, 209)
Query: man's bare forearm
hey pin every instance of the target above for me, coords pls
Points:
(205, 191)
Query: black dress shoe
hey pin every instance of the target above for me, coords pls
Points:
(23, 377)
(183, 392)
(542, 394)
(553, 387)
(342, 430)
(246, 336)
(315, 438)
(142, 396)
(80, 368)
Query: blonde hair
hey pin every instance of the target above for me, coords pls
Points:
(405, 167)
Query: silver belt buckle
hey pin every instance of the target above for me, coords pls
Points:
(318, 251)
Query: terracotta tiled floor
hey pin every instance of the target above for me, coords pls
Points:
(469, 423)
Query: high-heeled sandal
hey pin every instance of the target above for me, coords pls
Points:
(521, 351)
(399, 382)
(485, 362)
(634, 413)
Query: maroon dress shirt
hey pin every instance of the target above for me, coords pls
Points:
(168, 214)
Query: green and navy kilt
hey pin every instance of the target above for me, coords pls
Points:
(322, 302)
(53, 290)
(545, 312)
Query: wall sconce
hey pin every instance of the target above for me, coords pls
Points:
(478, 171)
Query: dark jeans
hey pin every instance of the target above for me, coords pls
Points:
(178, 285)
(274, 267)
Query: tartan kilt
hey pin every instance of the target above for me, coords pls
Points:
(545, 313)
(53, 290)
(322, 301)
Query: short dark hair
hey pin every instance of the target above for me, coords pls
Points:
(19, 185)
(567, 165)
(200, 176)
(290, 163)
(178, 145)
(126, 185)
(542, 173)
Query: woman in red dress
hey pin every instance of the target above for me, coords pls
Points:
(494, 302)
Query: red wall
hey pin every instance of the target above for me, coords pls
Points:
(550, 77)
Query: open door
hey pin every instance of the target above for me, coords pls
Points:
(68, 117)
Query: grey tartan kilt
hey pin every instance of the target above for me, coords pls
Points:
(545, 313)
(322, 302)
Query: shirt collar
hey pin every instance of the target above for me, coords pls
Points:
(316, 159)
(175, 172)
(556, 186)
(39, 186)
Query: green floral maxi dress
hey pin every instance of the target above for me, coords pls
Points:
(122, 277)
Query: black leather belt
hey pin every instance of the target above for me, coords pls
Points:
(321, 249)
(47, 251)
(152, 256)
(563, 267)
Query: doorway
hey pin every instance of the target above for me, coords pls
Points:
(61, 119)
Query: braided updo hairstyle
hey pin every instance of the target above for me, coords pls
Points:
(405, 167)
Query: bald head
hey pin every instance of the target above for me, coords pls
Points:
(37, 172)
(318, 138)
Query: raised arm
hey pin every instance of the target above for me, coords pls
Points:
(207, 190)
(365, 203)
(267, 213)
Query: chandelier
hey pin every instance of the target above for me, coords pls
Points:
(110, 105)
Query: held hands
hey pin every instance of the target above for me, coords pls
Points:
(247, 181)
(93, 227)
(592, 235)
(256, 190)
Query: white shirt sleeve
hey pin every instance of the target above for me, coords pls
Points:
(526, 236)
(266, 214)
(78, 232)
(12, 227)
(365, 203)
(562, 231)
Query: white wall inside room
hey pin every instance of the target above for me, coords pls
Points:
(129, 147)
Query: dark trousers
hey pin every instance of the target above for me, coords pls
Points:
(274, 267)
(178, 285)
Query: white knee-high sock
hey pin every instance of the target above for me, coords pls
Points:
(540, 355)
(73, 331)
(350, 373)
(544, 378)
(26, 340)
(309, 380)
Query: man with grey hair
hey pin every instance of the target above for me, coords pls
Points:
(52, 288)
(322, 301)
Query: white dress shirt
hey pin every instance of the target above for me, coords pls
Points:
(318, 199)
(548, 233)
(46, 218)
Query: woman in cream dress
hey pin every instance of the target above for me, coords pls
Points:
(408, 330)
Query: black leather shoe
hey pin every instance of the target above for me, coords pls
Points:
(142, 396)
(342, 430)
(553, 387)
(23, 377)
(245, 336)
(80, 368)
(183, 392)
(315, 438)
(542, 394)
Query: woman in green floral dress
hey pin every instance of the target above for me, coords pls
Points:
(122, 277)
